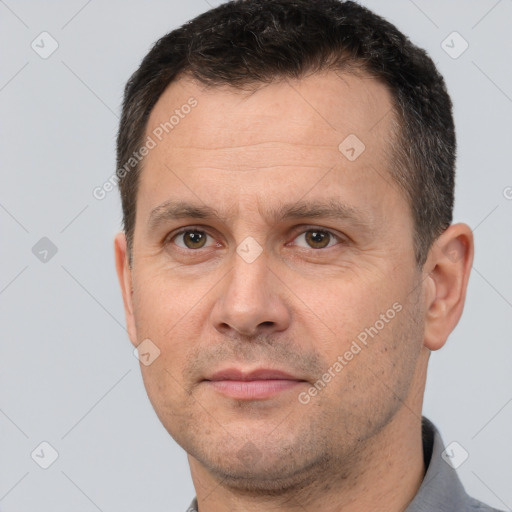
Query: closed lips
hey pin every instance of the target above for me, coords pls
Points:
(259, 374)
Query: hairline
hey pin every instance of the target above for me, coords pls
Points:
(338, 62)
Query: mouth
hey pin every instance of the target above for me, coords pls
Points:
(258, 384)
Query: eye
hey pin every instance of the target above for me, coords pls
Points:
(190, 238)
(194, 239)
(318, 239)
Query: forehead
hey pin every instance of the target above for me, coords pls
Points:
(223, 143)
(320, 109)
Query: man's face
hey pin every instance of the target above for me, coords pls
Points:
(266, 283)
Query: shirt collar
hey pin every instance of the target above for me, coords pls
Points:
(441, 489)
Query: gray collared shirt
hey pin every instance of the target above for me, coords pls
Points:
(441, 489)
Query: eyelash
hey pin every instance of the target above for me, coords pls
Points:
(188, 229)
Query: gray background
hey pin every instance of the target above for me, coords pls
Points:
(67, 372)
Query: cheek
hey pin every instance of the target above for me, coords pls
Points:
(163, 304)
(165, 315)
(369, 329)
(375, 372)
(171, 402)
(346, 308)
(391, 347)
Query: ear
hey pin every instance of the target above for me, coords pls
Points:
(124, 274)
(450, 260)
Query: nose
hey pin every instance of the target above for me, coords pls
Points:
(251, 300)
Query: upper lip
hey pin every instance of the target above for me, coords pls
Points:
(257, 374)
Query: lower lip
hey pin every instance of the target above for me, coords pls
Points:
(252, 389)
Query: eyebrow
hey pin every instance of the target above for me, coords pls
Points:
(327, 208)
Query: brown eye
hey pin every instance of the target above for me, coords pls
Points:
(317, 239)
(192, 239)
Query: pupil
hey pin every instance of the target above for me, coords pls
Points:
(195, 238)
(318, 239)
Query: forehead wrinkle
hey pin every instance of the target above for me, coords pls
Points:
(251, 168)
(269, 143)
(256, 156)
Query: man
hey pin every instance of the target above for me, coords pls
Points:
(288, 261)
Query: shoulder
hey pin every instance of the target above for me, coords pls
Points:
(478, 506)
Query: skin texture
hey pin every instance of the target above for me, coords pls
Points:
(356, 445)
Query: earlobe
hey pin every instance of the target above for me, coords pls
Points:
(124, 275)
(450, 260)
